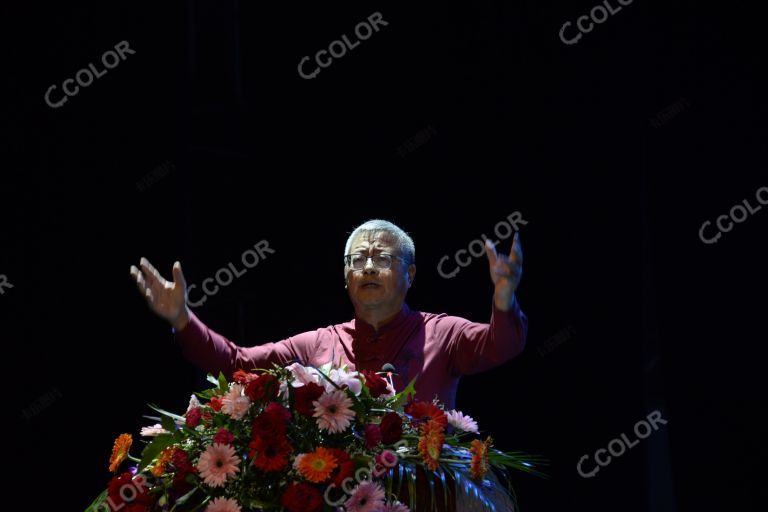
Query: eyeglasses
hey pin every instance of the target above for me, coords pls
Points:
(381, 261)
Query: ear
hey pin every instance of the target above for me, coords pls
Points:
(411, 274)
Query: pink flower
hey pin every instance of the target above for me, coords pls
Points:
(217, 463)
(384, 461)
(223, 505)
(154, 430)
(234, 403)
(395, 507)
(367, 497)
(461, 421)
(387, 458)
(344, 378)
(303, 375)
(333, 411)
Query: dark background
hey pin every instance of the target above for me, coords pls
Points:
(650, 318)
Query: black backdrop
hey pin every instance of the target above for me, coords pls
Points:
(206, 141)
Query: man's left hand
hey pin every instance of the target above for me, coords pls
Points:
(506, 272)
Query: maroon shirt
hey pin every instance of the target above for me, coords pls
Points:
(435, 348)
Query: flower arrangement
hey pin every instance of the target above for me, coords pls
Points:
(304, 439)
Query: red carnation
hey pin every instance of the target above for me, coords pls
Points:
(216, 403)
(193, 417)
(302, 497)
(391, 427)
(305, 395)
(243, 377)
(375, 384)
(263, 387)
(372, 436)
(223, 436)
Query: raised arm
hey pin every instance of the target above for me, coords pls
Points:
(202, 346)
(475, 347)
(213, 352)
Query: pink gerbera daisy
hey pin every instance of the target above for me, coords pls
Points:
(333, 411)
(217, 463)
(461, 421)
(234, 403)
(395, 507)
(223, 505)
(367, 497)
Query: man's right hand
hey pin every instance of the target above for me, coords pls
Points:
(167, 299)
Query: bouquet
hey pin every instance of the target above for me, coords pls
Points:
(305, 439)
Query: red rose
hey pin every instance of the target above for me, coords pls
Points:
(271, 422)
(375, 384)
(123, 490)
(193, 417)
(263, 387)
(302, 497)
(305, 395)
(223, 436)
(180, 461)
(391, 428)
(372, 436)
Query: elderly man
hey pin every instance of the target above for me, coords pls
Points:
(379, 268)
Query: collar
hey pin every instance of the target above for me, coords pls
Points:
(362, 328)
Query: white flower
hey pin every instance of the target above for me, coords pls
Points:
(154, 430)
(341, 377)
(303, 375)
(193, 402)
(461, 421)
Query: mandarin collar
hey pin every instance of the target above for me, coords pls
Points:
(365, 329)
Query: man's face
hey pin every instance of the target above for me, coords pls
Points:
(372, 287)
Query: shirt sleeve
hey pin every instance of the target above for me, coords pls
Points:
(214, 353)
(476, 347)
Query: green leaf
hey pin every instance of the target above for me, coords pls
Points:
(402, 396)
(94, 507)
(223, 384)
(176, 417)
(153, 449)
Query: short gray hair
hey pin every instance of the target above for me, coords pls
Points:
(403, 241)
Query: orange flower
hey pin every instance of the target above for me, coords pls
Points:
(431, 443)
(120, 451)
(479, 465)
(162, 461)
(318, 465)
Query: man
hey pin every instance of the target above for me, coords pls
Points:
(379, 268)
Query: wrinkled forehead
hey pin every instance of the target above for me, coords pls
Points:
(374, 241)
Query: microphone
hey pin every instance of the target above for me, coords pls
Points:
(390, 370)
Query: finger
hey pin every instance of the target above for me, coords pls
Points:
(178, 275)
(490, 250)
(138, 278)
(516, 253)
(151, 274)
